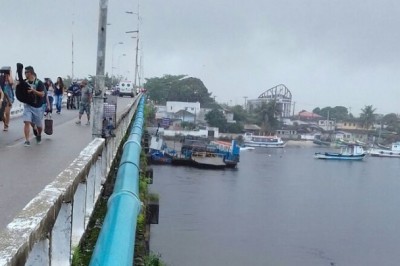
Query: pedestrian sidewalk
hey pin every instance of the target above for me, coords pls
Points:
(25, 171)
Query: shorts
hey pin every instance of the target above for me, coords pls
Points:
(84, 107)
(33, 115)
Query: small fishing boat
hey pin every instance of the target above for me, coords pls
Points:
(251, 140)
(159, 153)
(393, 152)
(349, 153)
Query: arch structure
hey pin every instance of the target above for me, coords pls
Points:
(280, 94)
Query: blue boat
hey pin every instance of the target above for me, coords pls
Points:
(159, 153)
(201, 153)
(196, 152)
(349, 153)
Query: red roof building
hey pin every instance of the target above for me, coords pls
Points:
(304, 115)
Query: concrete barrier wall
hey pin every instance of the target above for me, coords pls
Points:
(48, 229)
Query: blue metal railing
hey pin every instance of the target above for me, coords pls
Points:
(116, 242)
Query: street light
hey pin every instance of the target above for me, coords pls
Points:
(137, 42)
(112, 59)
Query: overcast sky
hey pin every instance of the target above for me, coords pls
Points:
(328, 53)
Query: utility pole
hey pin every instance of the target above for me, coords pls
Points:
(98, 94)
(72, 40)
(136, 58)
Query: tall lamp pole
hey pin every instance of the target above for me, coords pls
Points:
(137, 44)
(112, 61)
(98, 103)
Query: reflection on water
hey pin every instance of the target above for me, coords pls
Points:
(280, 207)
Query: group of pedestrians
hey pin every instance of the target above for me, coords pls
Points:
(49, 94)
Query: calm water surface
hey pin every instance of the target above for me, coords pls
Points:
(280, 207)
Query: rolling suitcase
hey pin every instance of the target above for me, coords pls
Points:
(48, 124)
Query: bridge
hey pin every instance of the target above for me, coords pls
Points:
(48, 192)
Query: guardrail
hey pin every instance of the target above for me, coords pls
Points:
(48, 229)
(116, 242)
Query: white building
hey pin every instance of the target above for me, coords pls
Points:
(173, 107)
(327, 125)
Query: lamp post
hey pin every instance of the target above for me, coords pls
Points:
(136, 53)
(112, 61)
(137, 43)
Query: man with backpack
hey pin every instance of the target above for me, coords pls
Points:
(33, 113)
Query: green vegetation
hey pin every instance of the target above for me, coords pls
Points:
(337, 112)
(188, 89)
(216, 118)
(178, 88)
(153, 260)
(367, 116)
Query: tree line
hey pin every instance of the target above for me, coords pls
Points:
(188, 89)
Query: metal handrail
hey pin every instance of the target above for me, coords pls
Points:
(116, 242)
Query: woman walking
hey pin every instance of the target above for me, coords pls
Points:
(58, 93)
(6, 84)
(50, 96)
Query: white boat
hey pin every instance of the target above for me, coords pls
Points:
(251, 140)
(393, 152)
(348, 153)
(246, 148)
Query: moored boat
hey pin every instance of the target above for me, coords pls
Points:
(349, 153)
(246, 148)
(159, 153)
(207, 160)
(200, 153)
(251, 140)
(393, 152)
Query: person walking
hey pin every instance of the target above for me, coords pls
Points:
(49, 96)
(58, 93)
(6, 84)
(86, 100)
(33, 113)
(2, 103)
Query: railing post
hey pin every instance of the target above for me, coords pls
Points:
(39, 255)
(60, 243)
(78, 214)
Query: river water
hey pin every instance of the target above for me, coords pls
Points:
(280, 207)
